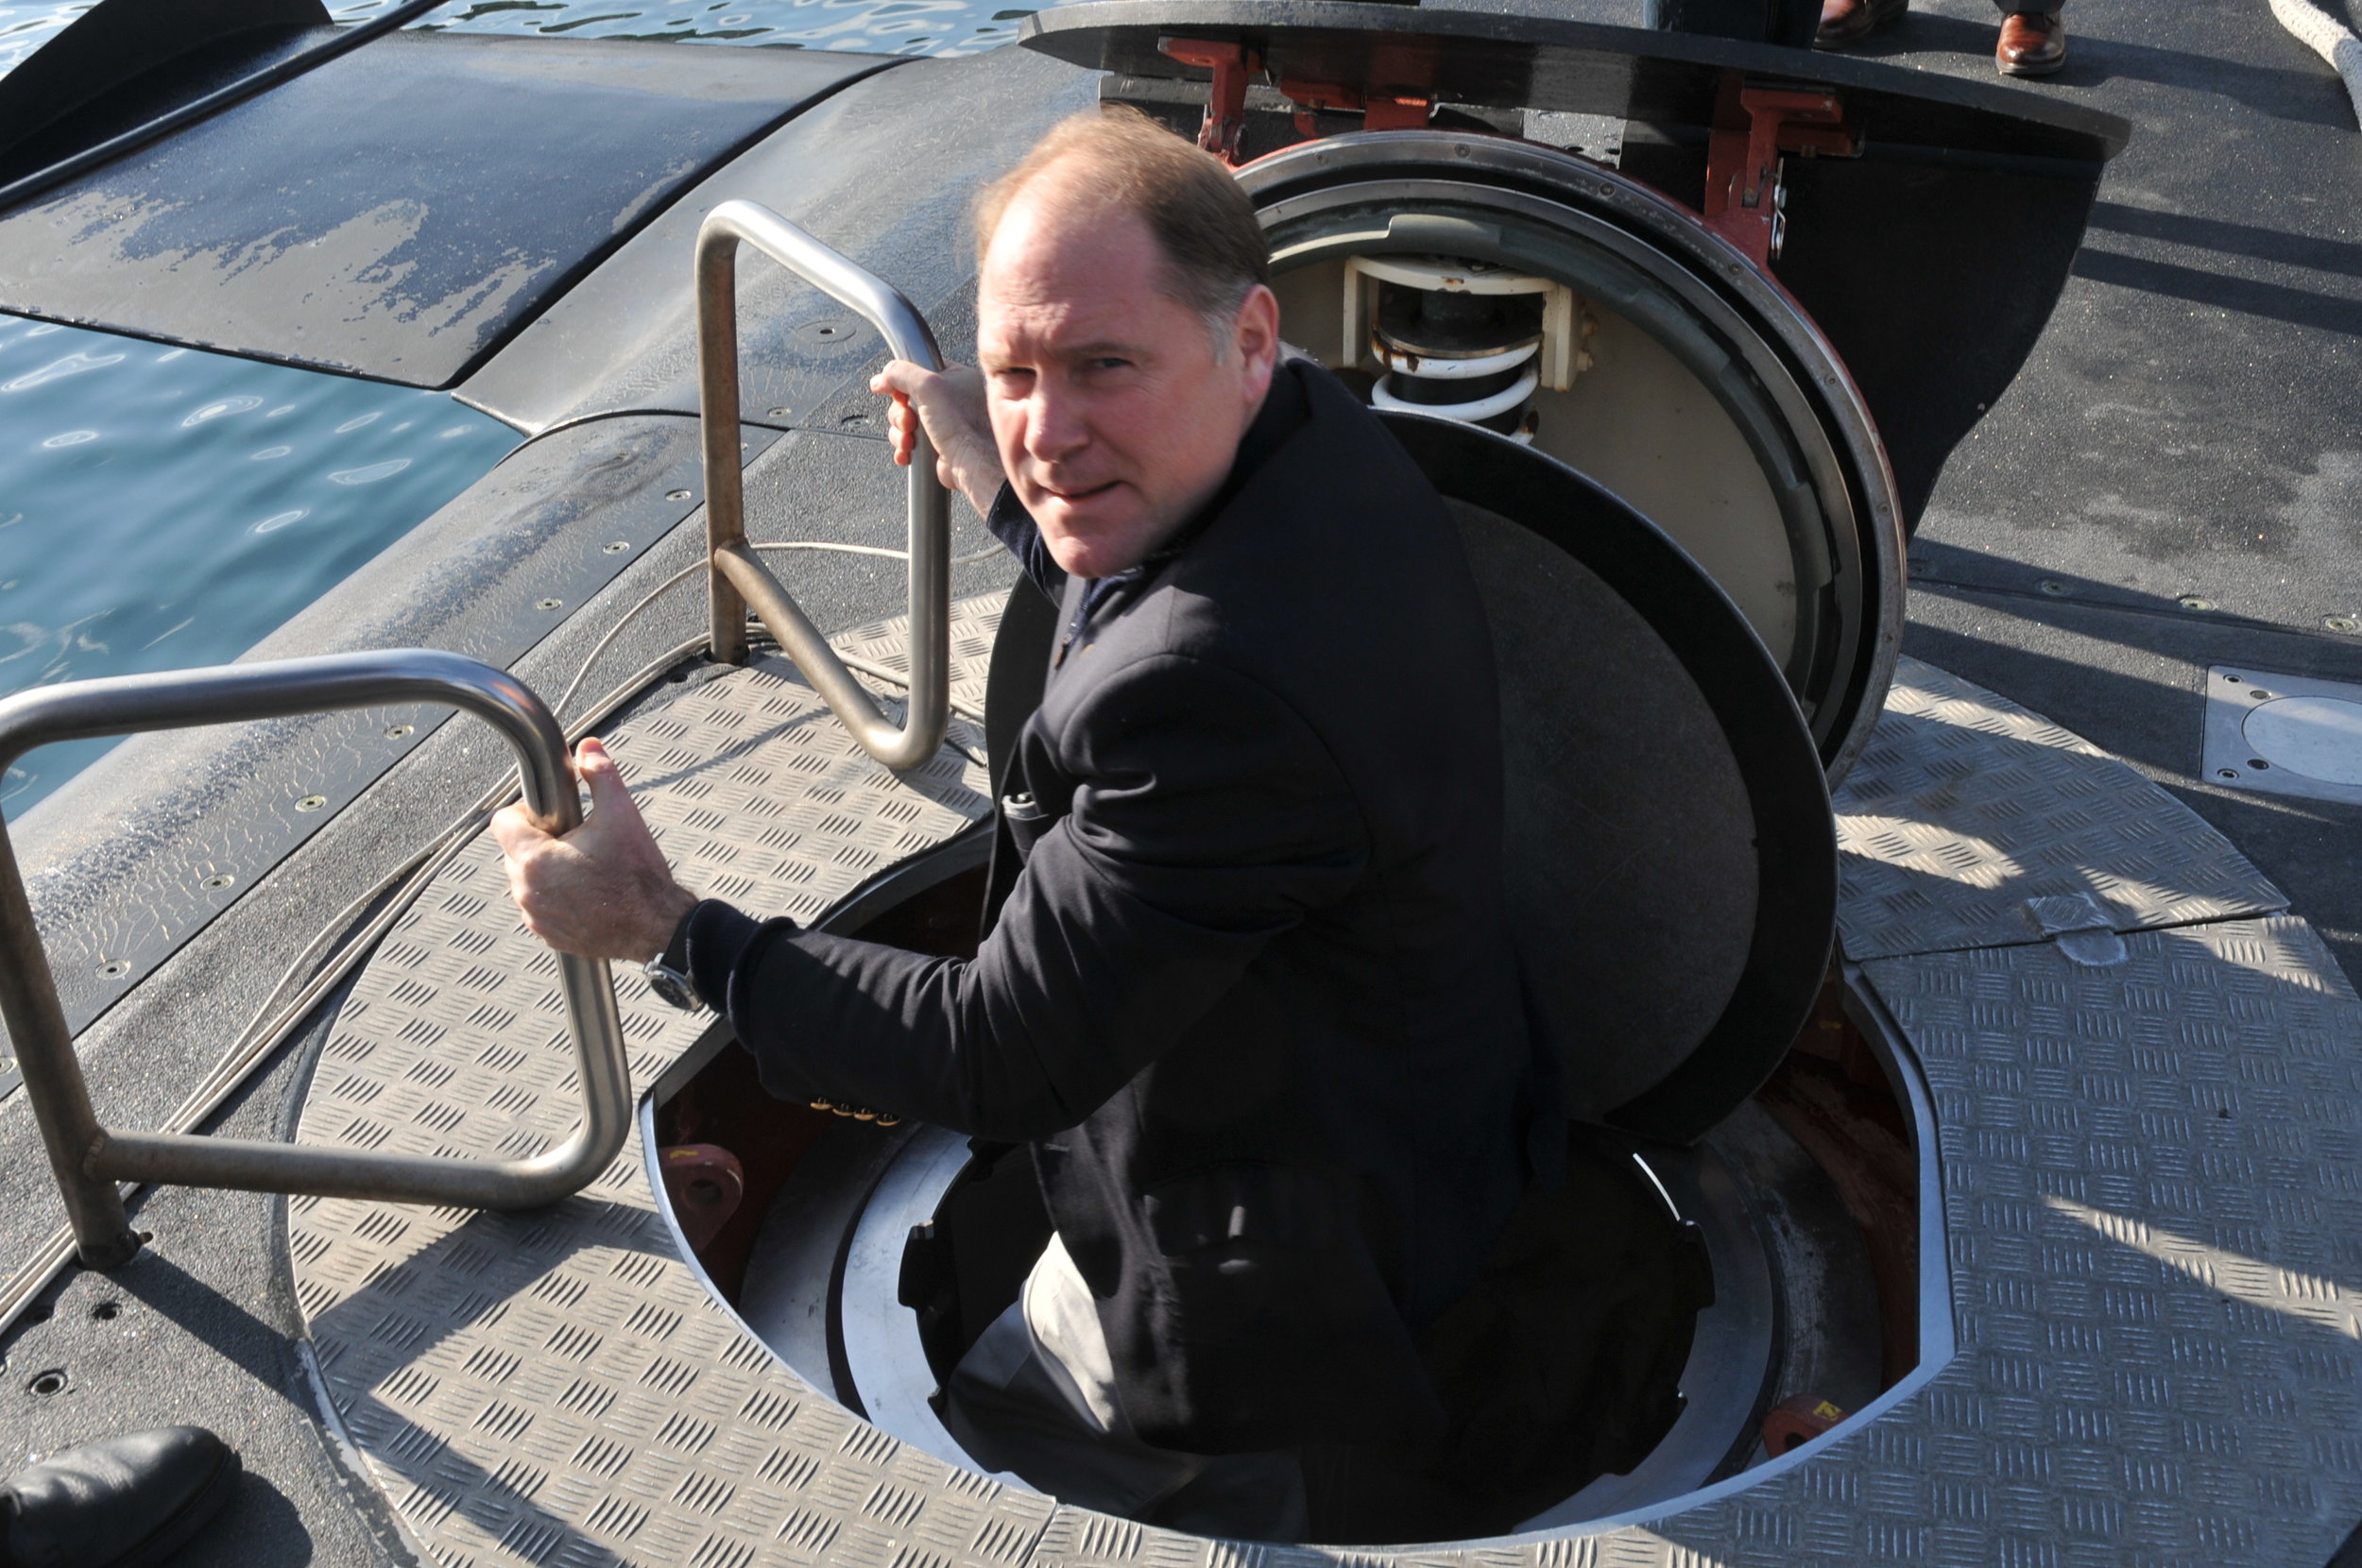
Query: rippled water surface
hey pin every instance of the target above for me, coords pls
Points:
(163, 507)
(879, 27)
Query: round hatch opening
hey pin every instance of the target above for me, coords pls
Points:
(1678, 680)
(1748, 1161)
(1672, 1316)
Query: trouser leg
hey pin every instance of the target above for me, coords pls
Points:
(1007, 1409)
(1015, 1406)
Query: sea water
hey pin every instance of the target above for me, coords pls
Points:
(871, 26)
(163, 508)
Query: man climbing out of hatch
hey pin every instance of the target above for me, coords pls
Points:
(1250, 997)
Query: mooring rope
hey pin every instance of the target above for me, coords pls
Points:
(2327, 35)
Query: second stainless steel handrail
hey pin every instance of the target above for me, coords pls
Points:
(737, 579)
(87, 1158)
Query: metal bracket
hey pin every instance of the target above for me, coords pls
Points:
(89, 1159)
(736, 579)
(1380, 110)
(1396, 96)
(1232, 64)
(1754, 127)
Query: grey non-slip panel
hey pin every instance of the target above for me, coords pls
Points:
(1965, 808)
(200, 1327)
(2133, 681)
(400, 209)
(559, 1387)
(883, 171)
(2148, 1183)
(2147, 1219)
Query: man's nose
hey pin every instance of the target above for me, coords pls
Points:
(1055, 428)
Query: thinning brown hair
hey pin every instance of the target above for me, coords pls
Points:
(1213, 248)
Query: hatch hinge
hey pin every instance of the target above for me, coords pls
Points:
(1396, 93)
(1233, 65)
(1754, 128)
(1402, 109)
(1397, 96)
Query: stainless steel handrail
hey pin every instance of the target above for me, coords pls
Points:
(737, 579)
(89, 1159)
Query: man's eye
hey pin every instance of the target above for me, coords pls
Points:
(1109, 361)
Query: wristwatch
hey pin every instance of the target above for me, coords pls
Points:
(668, 972)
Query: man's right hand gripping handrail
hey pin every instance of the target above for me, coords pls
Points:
(88, 1158)
(738, 579)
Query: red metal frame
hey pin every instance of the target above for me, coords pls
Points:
(1395, 109)
(1796, 1421)
(1225, 104)
(1754, 127)
(1395, 98)
(705, 1183)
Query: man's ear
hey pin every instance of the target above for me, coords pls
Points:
(1256, 338)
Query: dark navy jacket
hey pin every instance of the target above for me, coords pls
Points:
(1252, 998)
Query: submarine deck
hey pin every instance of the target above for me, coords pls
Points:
(2183, 433)
(2145, 1083)
(2174, 482)
(558, 1386)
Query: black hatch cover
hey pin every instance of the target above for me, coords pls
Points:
(1931, 262)
(398, 211)
(1671, 854)
(1672, 860)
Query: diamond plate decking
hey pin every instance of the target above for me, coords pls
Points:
(1963, 805)
(2149, 1154)
(559, 1388)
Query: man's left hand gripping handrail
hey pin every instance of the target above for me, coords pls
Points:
(89, 1159)
(737, 579)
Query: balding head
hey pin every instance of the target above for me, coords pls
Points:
(1099, 165)
(1124, 353)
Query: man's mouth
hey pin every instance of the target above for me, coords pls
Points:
(1087, 493)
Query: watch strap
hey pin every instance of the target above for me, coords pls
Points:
(676, 954)
(668, 973)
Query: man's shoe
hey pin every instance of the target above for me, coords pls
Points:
(1846, 23)
(126, 1502)
(2033, 43)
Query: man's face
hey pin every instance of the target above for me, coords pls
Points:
(1115, 420)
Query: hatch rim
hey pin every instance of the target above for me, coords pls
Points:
(1762, 323)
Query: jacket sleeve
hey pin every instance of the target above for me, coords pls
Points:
(1210, 819)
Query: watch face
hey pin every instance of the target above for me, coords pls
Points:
(671, 987)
